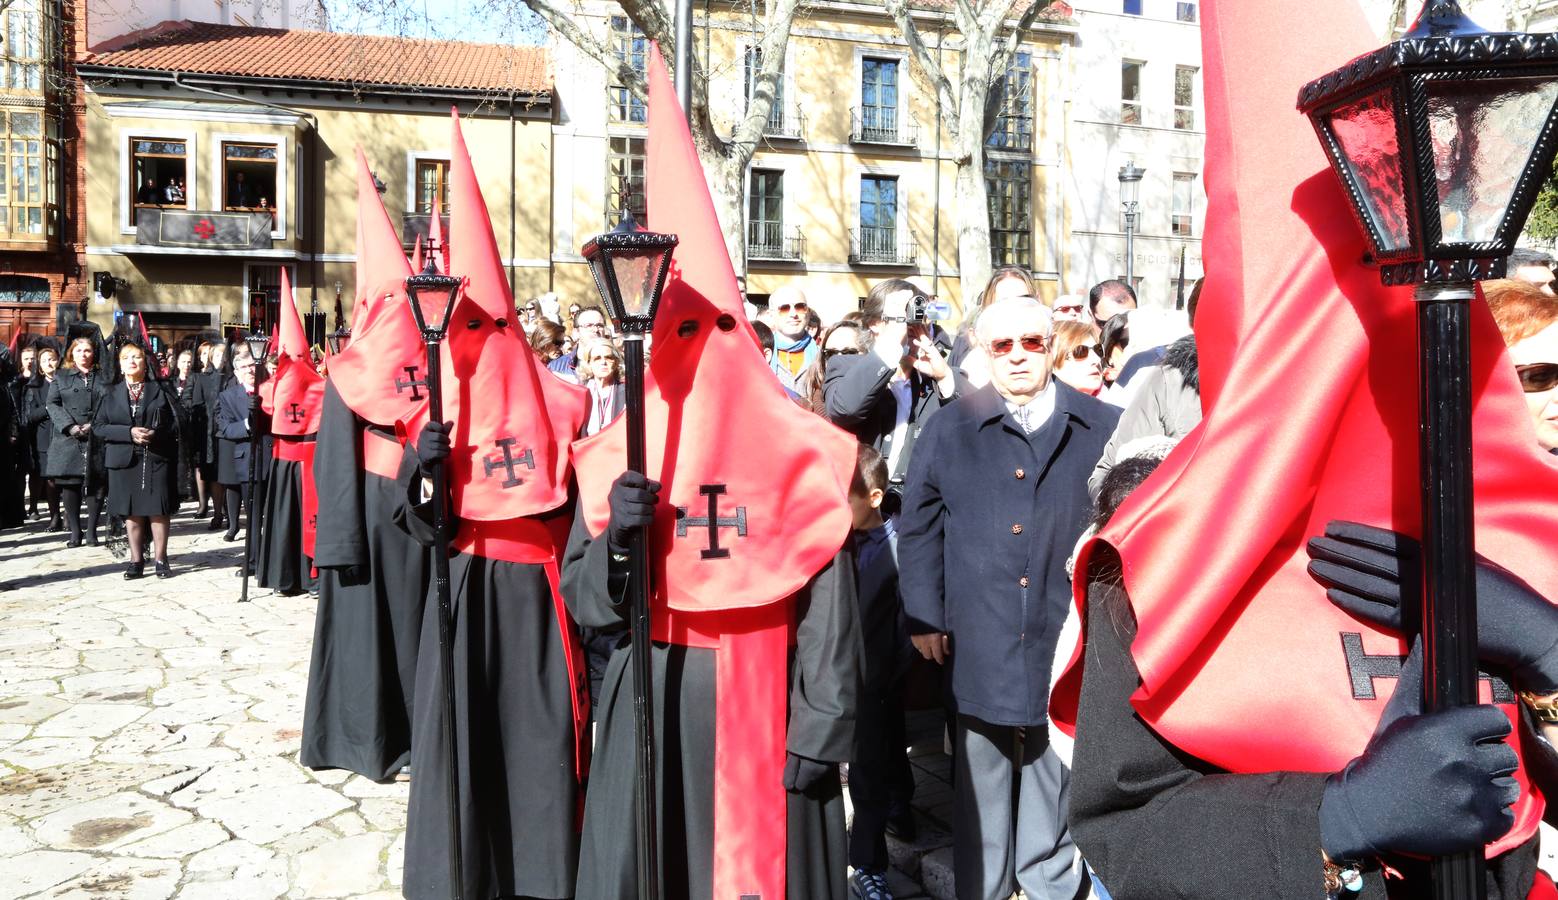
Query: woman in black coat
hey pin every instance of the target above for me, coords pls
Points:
(35, 421)
(75, 453)
(232, 427)
(138, 428)
(209, 387)
(184, 382)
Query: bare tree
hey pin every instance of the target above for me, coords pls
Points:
(724, 158)
(970, 99)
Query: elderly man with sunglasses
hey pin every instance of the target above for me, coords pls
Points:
(995, 500)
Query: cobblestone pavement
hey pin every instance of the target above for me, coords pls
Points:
(149, 736)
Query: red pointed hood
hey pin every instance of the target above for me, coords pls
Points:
(379, 251)
(513, 419)
(722, 434)
(294, 394)
(417, 262)
(438, 242)
(1309, 383)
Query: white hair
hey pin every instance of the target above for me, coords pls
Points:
(1011, 306)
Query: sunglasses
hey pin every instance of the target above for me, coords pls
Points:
(1032, 343)
(798, 307)
(847, 351)
(1538, 377)
(1069, 309)
(1083, 351)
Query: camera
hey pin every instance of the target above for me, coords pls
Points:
(924, 309)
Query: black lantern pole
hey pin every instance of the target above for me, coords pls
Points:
(432, 298)
(630, 265)
(1442, 140)
(259, 348)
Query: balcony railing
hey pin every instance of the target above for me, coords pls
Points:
(782, 124)
(203, 229)
(876, 246)
(768, 240)
(881, 125)
(419, 225)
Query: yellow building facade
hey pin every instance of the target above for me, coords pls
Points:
(209, 169)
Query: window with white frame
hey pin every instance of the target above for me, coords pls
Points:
(1009, 184)
(432, 186)
(878, 217)
(1130, 92)
(1185, 12)
(765, 214)
(1132, 7)
(754, 66)
(625, 161)
(1185, 98)
(1014, 122)
(23, 52)
(879, 99)
(1183, 217)
(158, 168)
(249, 175)
(631, 47)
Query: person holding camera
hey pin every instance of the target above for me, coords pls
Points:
(885, 395)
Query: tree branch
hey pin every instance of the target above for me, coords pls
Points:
(592, 46)
(765, 87)
(927, 70)
(1005, 50)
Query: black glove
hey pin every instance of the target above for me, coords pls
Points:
(632, 499)
(1367, 571)
(432, 446)
(802, 774)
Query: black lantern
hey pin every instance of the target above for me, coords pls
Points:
(1443, 139)
(630, 265)
(432, 300)
(258, 343)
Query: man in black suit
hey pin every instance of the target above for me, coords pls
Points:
(996, 498)
(885, 395)
(881, 783)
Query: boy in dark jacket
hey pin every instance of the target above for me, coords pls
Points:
(880, 780)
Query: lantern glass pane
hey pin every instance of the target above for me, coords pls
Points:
(637, 273)
(434, 303)
(1365, 130)
(1483, 133)
(598, 270)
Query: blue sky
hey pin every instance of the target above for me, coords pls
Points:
(480, 21)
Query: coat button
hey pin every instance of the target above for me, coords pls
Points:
(1017, 529)
(1023, 581)
(1020, 474)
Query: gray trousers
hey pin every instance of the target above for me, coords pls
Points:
(1009, 806)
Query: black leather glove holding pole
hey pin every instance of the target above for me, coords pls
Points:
(1367, 571)
(632, 500)
(1427, 784)
(432, 446)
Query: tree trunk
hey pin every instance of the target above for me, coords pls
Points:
(725, 176)
(971, 198)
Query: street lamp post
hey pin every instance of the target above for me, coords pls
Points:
(630, 266)
(259, 348)
(1442, 140)
(432, 299)
(1130, 195)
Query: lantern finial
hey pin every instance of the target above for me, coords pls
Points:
(1441, 19)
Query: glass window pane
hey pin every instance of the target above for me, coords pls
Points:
(1366, 133)
(1483, 133)
(5, 218)
(34, 220)
(26, 124)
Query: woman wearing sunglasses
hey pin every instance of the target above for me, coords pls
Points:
(1074, 357)
(1528, 318)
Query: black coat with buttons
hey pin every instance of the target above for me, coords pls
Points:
(990, 516)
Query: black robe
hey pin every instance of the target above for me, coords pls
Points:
(372, 584)
(519, 793)
(825, 676)
(284, 567)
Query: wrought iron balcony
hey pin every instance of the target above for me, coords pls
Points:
(876, 246)
(782, 124)
(882, 125)
(768, 241)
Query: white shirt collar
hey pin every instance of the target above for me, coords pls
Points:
(1039, 409)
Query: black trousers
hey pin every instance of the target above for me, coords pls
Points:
(881, 781)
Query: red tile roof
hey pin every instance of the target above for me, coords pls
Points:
(354, 59)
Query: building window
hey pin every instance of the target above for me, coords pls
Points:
(630, 46)
(754, 66)
(1183, 219)
(1009, 184)
(432, 184)
(878, 217)
(765, 214)
(157, 169)
(1185, 12)
(25, 200)
(248, 175)
(1133, 7)
(1185, 98)
(1130, 92)
(1014, 122)
(625, 180)
(879, 99)
(23, 51)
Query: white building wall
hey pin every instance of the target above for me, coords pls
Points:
(108, 19)
(1100, 145)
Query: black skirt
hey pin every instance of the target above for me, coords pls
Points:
(142, 489)
(282, 566)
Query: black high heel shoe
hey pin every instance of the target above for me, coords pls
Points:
(162, 569)
(134, 570)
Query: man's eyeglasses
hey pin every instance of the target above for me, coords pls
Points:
(784, 308)
(1032, 343)
(1075, 310)
(1538, 377)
